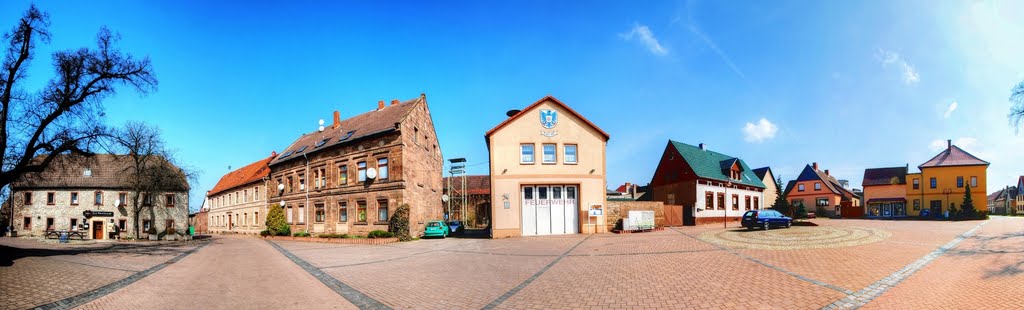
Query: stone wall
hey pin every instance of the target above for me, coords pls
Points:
(63, 211)
(616, 210)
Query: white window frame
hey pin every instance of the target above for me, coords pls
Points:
(544, 153)
(575, 154)
(522, 153)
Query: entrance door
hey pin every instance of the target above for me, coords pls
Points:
(229, 222)
(97, 230)
(550, 209)
(936, 208)
(529, 211)
(572, 210)
(558, 210)
(543, 210)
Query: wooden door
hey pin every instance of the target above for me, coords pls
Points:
(97, 230)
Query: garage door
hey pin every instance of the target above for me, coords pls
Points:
(549, 209)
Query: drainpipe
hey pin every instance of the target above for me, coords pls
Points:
(304, 217)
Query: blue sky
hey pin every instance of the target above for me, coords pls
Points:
(848, 84)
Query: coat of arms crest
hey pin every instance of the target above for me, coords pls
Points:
(548, 118)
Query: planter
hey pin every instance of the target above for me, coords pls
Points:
(368, 241)
(153, 237)
(171, 237)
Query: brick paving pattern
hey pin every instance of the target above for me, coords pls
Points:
(982, 272)
(918, 265)
(35, 273)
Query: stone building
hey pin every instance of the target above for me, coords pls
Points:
(88, 194)
(348, 177)
(238, 203)
(547, 172)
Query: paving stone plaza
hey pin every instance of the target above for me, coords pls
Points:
(837, 264)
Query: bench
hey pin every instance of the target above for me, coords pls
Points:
(55, 234)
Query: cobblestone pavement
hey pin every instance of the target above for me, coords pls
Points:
(35, 272)
(907, 264)
(232, 272)
(985, 271)
(676, 269)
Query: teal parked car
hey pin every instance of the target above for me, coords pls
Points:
(436, 229)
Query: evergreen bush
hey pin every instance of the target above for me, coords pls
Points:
(398, 225)
(380, 234)
(277, 225)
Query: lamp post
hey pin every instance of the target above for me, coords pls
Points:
(725, 209)
(946, 191)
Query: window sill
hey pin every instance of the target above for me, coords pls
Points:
(569, 163)
(380, 223)
(360, 223)
(525, 163)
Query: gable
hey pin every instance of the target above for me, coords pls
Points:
(550, 103)
(671, 169)
(709, 164)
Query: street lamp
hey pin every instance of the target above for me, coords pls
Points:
(946, 191)
(725, 209)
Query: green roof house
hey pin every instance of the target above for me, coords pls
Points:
(710, 186)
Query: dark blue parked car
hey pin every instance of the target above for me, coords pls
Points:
(765, 219)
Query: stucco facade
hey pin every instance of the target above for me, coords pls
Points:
(944, 180)
(516, 182)
(240, 210)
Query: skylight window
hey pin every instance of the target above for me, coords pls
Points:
(287, 154)
(347, 135)
(321, 143)
(302, 149)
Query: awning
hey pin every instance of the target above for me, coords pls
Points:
(884, 200)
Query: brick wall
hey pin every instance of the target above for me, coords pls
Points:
(616, 210)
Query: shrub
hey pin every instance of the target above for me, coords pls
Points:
(301, 234)
(277, 225)
(264, 233)
(801, 211)
(398, 225)
(380, 234)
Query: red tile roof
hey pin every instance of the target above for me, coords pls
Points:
(475, 184)
(534, 105)
(251, 173)
(953, 156)
(352, 129)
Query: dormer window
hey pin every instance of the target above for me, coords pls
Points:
(87, 172)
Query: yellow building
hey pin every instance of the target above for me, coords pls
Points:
(944, 180)
(547, 172)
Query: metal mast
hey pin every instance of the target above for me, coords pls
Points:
(457, 168)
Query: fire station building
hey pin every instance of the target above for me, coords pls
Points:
(547, 172)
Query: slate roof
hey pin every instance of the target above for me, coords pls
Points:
(107, 171)
(809, 173)
(352, 129)
(708, 164)
(1000, 195)
(761, 172)
(953, 156)
(475, 184)
(250, 173)
(884, 176)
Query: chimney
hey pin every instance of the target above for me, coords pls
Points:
(337, 120)
(949, 145)
(394, 101)
(702, 147)
(380, 105)
(814, 165)
(826, 172)
(273, 153)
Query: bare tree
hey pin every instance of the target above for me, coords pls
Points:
(150, 167)
(65, 116)
(1017, 110)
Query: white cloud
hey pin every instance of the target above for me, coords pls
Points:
(644, 34)
(952, 107)
(887, 58)
(761, 131)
